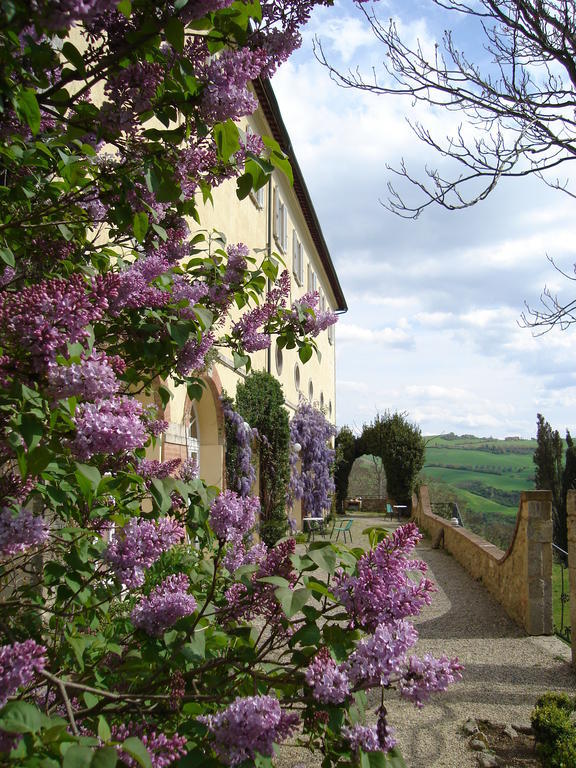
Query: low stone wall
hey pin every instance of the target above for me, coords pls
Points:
(521, 578)
(369, 504)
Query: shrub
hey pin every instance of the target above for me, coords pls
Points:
(554, 729)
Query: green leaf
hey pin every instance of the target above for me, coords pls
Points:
(27, 109)
(205, 316)
(324, 556)
(309, 634)
(88, 478)
(73, 55)
(227, 137)
(134, 747)
(292, 601)
(125, 8)
(394, 759)
(20, 717)
(195, 390)
(78, 757)
(195, 650)
(174, 31)
(305, 353)
(276, 580)
(160, 495)
(7, 256)
(105, 757)
(140, 226)
(31, 429)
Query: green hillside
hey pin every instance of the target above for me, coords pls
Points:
(495, 470)
(484, 476)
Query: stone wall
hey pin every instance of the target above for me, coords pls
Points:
(521, 578)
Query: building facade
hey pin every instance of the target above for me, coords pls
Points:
(279, 219)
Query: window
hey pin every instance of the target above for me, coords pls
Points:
(279, 360)
(297, 377)
(322, 303)
(312, 282)
(321, 401)
(193, 436)
(310, 390)
(297, 259)
(280, 222)
(257, 198)
(331, 334)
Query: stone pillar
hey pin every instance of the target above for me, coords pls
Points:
(539, 564)
(571, 513)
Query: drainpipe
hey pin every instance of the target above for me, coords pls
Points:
(269, 253)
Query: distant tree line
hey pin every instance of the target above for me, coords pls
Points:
(555, 472)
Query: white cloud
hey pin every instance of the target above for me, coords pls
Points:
(384, 336)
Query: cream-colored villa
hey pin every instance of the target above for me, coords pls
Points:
(280, 218)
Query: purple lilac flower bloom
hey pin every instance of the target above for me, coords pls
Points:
(167, 603)
(247, 329)
(21, 531)
(237, 555)
(163, 750)
(189, 470)
(247, 726)
(237, 264)
(261, 600)
(191, 357)
(108, 426)
(149, 468)
(43, 318)
(138, 545)
(422, 677)
(382, 590)
(8, 741)
(90, 379)
(226, 94)
(306, 314)
(232, 516)
(19, 663)
(329, 682)
(379, 657)
(364, 737)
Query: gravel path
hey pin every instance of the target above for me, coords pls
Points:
(505, 671)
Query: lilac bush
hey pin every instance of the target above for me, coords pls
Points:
(142, 622)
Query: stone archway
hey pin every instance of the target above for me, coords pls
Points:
(196, 428)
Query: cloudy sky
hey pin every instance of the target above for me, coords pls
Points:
(434, 304)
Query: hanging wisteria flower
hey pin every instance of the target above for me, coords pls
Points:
(138, 545)
(311, 477)
(248, 726)
(108, 426)
(240, 471)
(162, 750)
(19, 532)
(19, 664)
(167, 603)
(232, 516)
(427, 675)
(329, 682)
